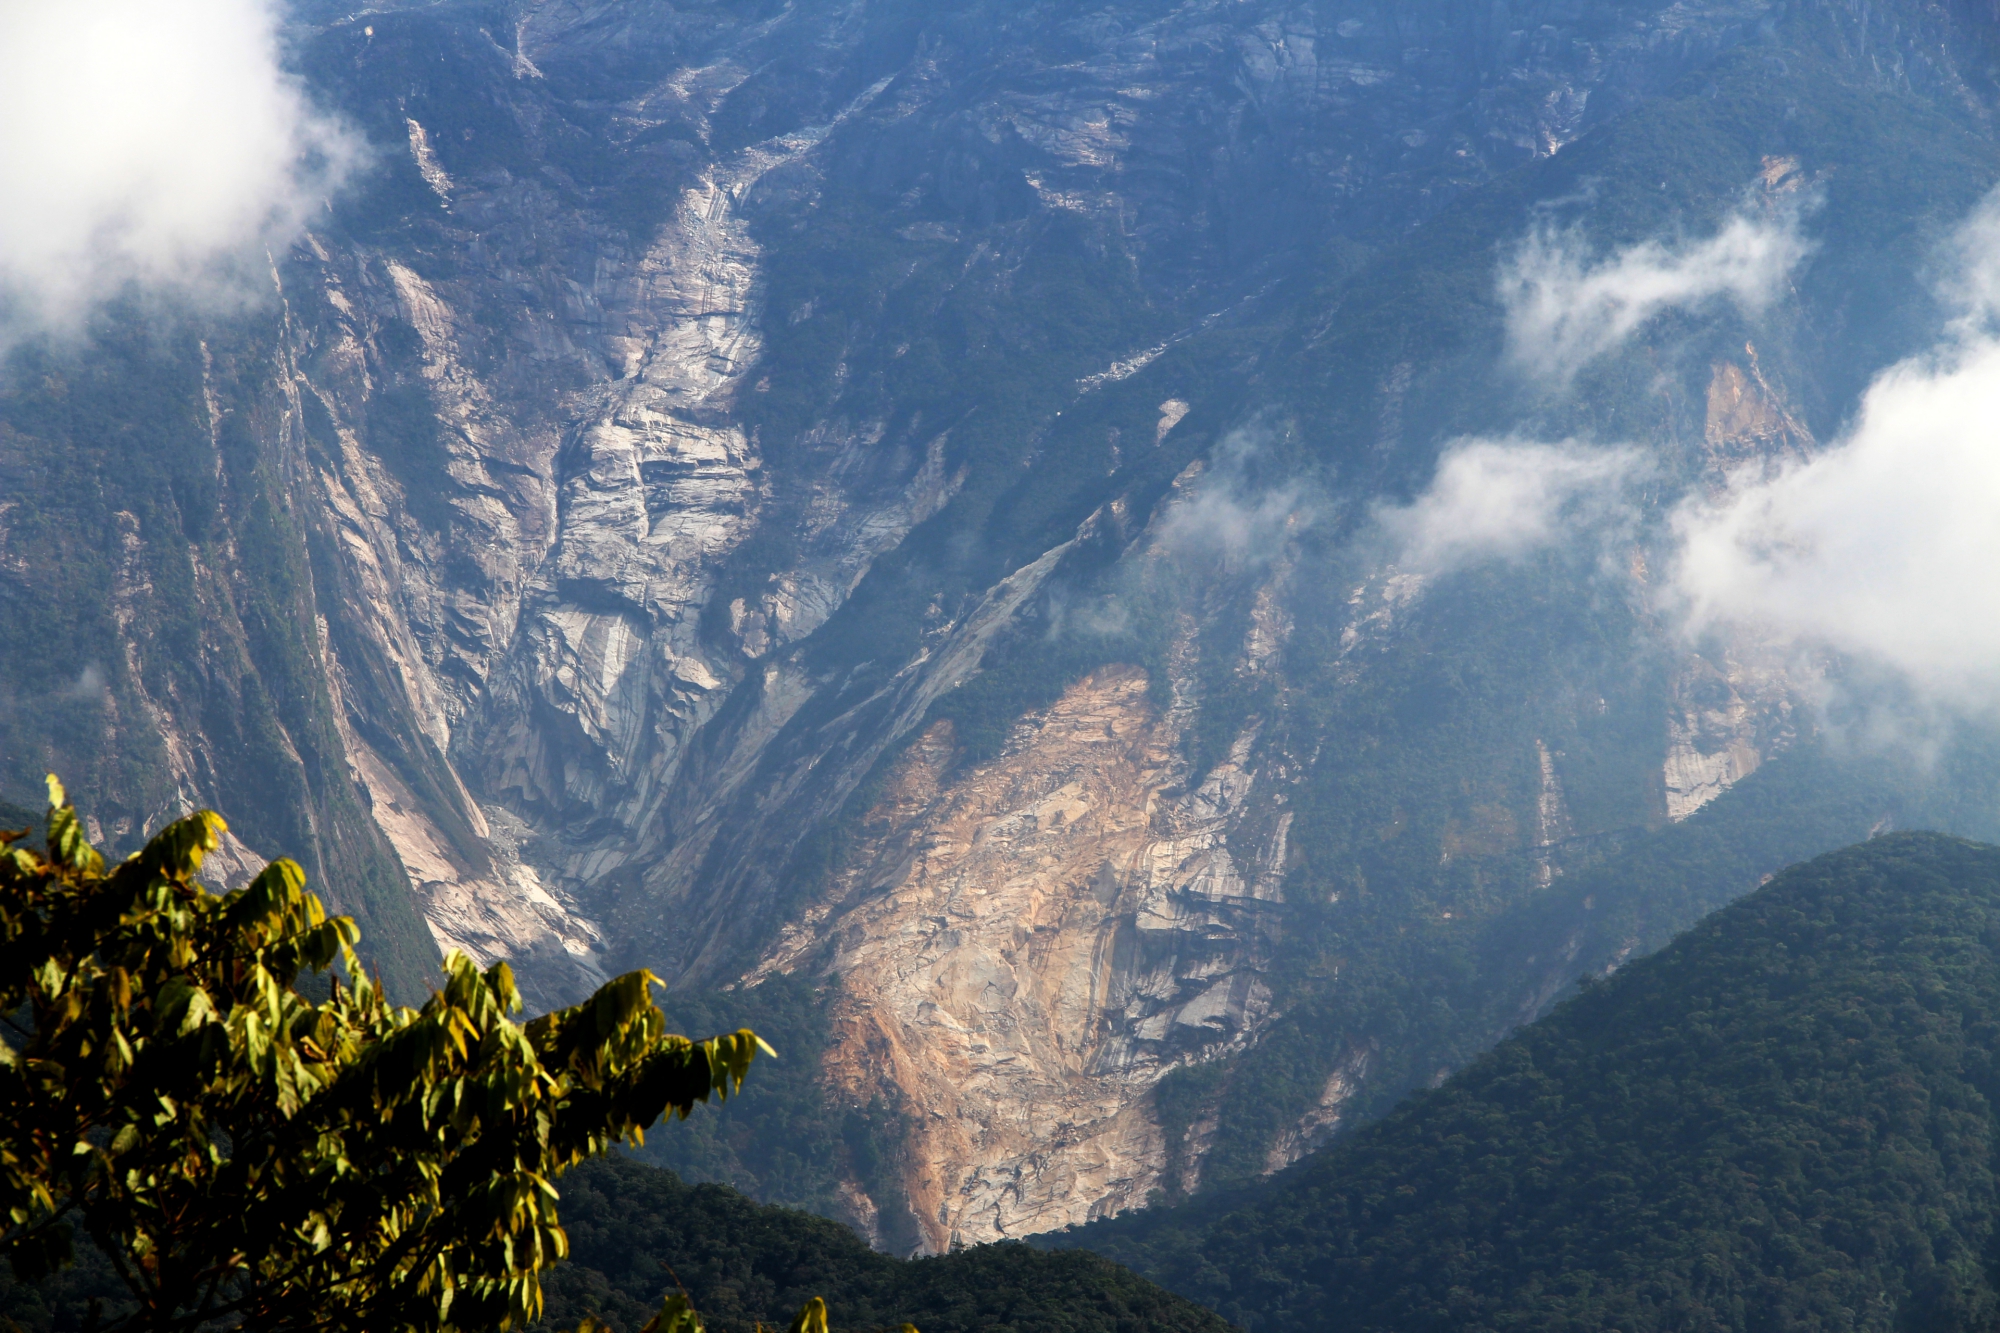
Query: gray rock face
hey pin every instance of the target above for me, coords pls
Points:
(560, 632)
(611, 636)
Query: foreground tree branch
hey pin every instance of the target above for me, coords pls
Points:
(243, 1152)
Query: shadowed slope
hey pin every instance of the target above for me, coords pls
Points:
(1785, 1119)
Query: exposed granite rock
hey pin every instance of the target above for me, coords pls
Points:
(557, 632)
(1025, 945)
(1734, 706)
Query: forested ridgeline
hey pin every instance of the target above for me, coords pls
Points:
(1786, 1119)
(636, 1231)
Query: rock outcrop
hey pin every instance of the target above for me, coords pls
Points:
(1026, 945)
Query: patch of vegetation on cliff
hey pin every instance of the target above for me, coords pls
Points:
(165, 566)
(786, 1138)
(1422, 995)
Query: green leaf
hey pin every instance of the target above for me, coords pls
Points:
(676, 1315)
(812, 1318)
(67, 844)
(355, 1165)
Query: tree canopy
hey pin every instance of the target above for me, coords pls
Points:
(239, 1151)
(637, 1233)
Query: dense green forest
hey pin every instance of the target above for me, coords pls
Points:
(634, 1230)
(784, 1138)
(637, 1230)
(1785, 1120)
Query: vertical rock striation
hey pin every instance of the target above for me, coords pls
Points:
(1027, 944)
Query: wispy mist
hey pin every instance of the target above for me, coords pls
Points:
(1881, 548)
(1884, 546)
(156, 143)
(1565, 307)
(1505, 499)
(1232, 517)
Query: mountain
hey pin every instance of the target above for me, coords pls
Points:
(1786, 1119)
(636, 1230)
(638, 1233)
(927, 501)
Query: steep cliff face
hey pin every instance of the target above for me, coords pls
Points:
(1027, 944)
(1733, 708)
(886, 492)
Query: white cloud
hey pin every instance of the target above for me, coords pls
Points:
(1885, 547)
(161, 143)
(1231, 516)
(1565, 308)
(1505, 499)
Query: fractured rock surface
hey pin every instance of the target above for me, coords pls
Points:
(1026, 945)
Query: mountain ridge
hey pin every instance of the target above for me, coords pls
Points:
(1786, 1115)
